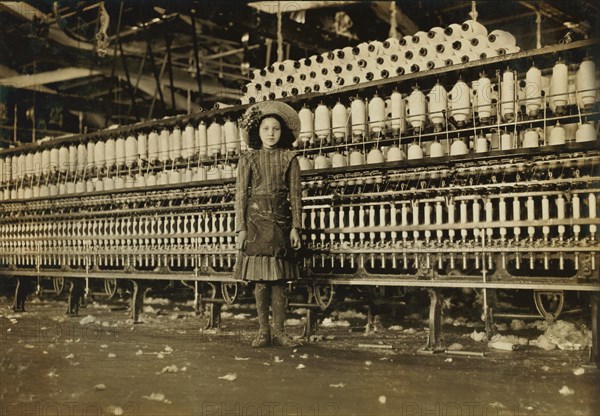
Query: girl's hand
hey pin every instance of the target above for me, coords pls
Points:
(295, 239)
(241, 240)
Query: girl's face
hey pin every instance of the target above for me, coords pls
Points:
(269, 132)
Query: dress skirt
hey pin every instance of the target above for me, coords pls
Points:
(267, 254)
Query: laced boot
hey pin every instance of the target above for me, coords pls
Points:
(261, 340)
(285, 340)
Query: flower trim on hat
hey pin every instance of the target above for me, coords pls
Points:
(250, 119)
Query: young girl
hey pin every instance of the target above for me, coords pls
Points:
(268, 213)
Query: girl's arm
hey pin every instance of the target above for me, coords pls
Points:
(241, 193)
(295, 194)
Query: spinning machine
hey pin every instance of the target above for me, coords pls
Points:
(482, 174)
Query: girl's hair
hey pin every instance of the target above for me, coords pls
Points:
(285, 141)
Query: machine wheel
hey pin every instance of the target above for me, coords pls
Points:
(58, 283)
(110, 287)
(549, 303)
(323, 295)
(229, 291)
(211, 291)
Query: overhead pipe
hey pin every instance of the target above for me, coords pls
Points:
(63, 25)
(114, 63)
(138, 78)
(154, 70)
(129, 85)
(196, 55)
(168, 40)
(159, 89)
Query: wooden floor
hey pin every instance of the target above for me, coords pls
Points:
(52, 364)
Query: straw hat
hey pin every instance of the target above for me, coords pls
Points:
(260, 110)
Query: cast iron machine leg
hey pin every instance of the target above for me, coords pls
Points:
(595, 353)
(21, 292)
(76, 295)
(488, 312)
(214, 309)
(137, 300)
(214, 316)
(311, 325)
(434, 341)
(197, 300)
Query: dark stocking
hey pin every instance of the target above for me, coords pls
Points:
(262, 295)
(278, 299)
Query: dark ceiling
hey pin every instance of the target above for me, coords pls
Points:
(50, 60)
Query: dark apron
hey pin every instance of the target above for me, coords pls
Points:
(269, 222)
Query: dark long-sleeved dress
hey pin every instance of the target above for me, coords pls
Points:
(267, 206)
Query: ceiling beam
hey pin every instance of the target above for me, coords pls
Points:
(103, 91)
(55, 33)
(295, 6)
(57, 53)
(228, 53)
(28, 12)
(406, 25)
(83, 82)
(237, 17)
(49, 77)
(67, 101)
(557, 15)
(509, 18)
(6, 72)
